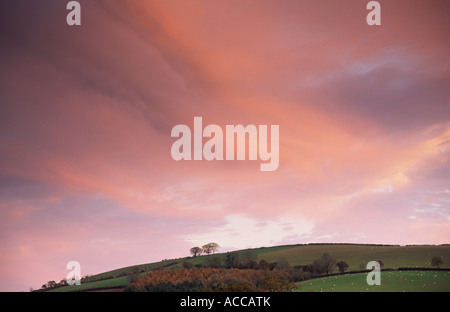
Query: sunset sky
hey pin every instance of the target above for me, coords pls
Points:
(86, 114)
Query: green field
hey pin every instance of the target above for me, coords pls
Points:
(356, 255)
(104, 284)
(391, 281)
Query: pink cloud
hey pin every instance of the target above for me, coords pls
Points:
(85, 166)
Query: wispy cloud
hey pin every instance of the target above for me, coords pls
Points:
(86, 114)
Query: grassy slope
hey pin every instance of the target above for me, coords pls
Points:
(408, 281)
(108, 283)
(354, 255)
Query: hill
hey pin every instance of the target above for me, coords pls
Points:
(356, 255)
(397, 281)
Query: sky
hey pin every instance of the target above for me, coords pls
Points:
(86, 114)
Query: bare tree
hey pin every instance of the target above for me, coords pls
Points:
(210, 248)
(329, 263)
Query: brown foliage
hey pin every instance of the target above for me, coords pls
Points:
(218, 279)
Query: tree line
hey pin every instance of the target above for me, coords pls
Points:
(236, 271)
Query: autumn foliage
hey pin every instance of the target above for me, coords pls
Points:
(213, 279)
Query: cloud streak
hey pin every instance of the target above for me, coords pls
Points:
(86, 114)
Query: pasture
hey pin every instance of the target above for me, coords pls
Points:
(356, 255)
(391, 281)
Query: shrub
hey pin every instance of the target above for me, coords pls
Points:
(213, 279)
(187, 265)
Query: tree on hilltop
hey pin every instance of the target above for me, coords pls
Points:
(196, 251)
(210, 248)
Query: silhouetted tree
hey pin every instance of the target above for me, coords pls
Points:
(342, 265)
(329, 262)
(318, 267)
(210, 248)
(324, 264)
(196, 251)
